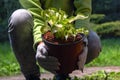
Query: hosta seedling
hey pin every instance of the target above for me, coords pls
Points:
(59, 24)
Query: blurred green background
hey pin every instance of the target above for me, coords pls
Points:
(103, 11)
(105, 20)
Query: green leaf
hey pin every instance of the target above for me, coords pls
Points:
(36, 13)
(45, 28)
(80, 16)
(30, 4)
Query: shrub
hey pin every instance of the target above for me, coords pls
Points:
(97, 18)
(3, 33)
(108, 29)
(6, 9)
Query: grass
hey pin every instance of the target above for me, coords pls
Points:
(109, 56)
(8, 63)
(101, 75)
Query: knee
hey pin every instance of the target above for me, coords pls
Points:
(20, 16)
(94, 46)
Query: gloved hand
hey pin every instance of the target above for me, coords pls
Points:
(94, 46)
(83, 56)
(47, 62)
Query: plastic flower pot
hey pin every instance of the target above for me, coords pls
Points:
(67, 54)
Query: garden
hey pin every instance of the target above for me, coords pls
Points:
(105, 20)
(108, 57)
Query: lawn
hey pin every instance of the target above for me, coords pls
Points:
(8, 63)
(109, 56)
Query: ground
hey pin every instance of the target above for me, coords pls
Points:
(87, 71)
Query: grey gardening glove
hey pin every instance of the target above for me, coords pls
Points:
(47, 62)
(83, 56)
(94, 46)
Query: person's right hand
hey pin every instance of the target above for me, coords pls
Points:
(49, 63)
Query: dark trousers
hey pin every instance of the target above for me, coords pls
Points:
(21, 39)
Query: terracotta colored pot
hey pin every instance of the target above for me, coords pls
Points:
(67, 54)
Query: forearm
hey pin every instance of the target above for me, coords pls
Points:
(36, 34)
(83, 7)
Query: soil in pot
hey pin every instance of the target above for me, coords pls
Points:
(66, 52)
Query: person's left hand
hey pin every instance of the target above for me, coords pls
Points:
(82, 57)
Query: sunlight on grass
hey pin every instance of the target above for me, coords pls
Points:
(101, 75)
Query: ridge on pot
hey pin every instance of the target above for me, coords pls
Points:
(67, 53)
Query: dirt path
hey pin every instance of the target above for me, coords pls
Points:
(77, 73)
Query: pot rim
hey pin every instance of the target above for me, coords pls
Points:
(83, 37)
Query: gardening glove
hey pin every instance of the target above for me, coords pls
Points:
(47, 62)
(94, 46)
(83, 56)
